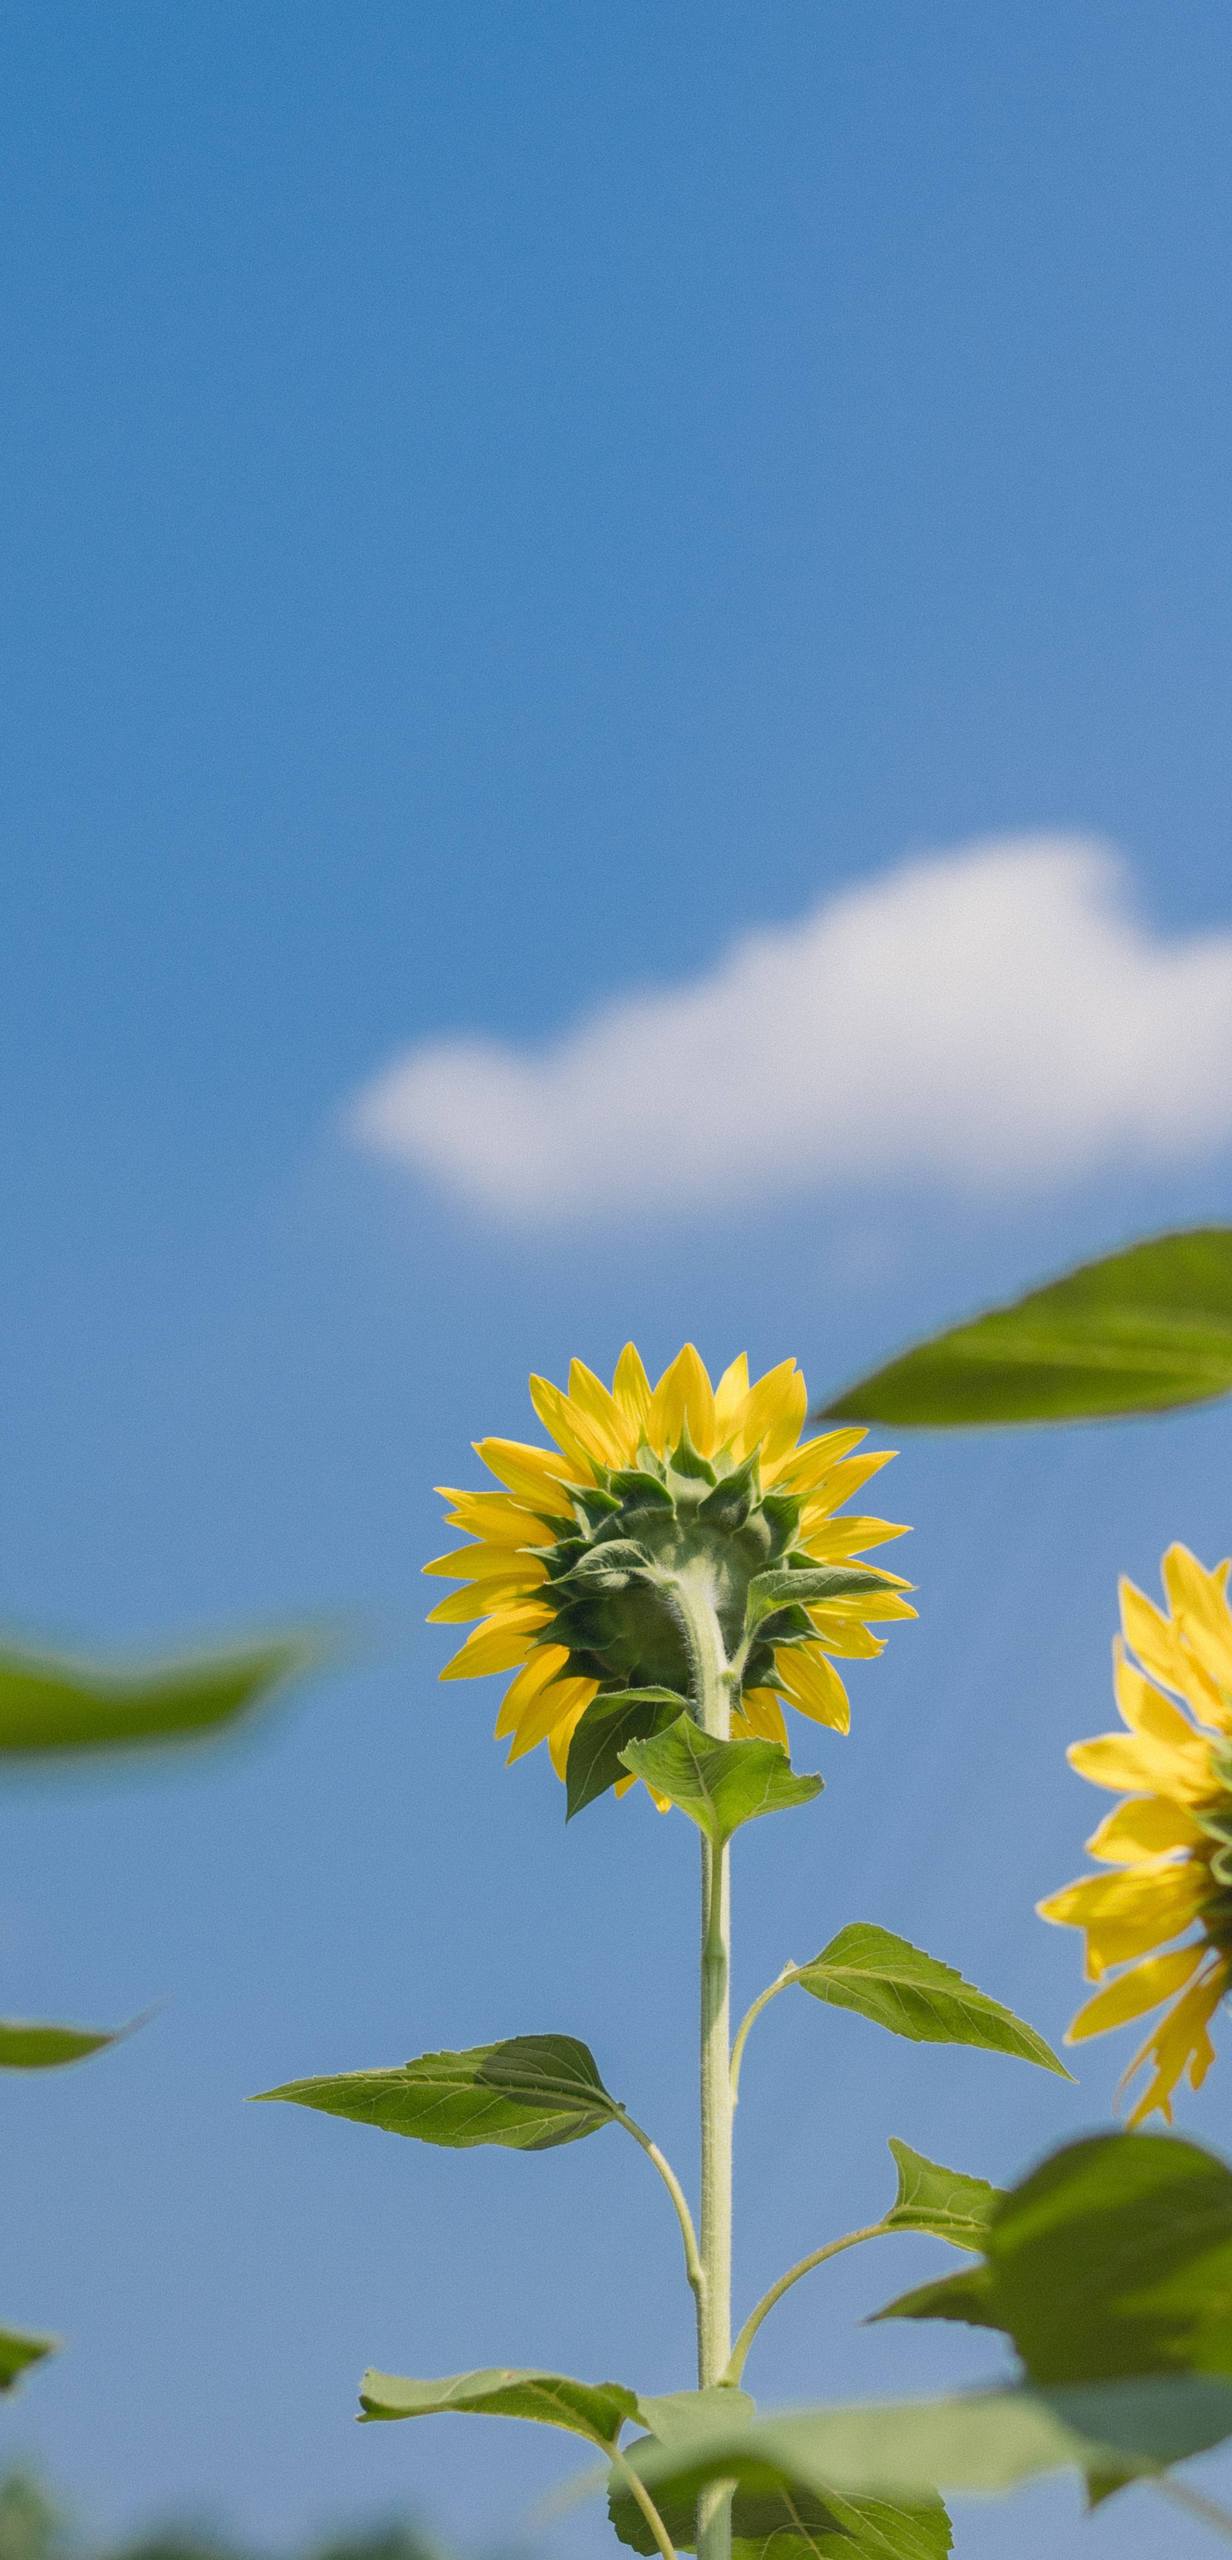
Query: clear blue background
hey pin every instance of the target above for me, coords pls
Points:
(496, 500)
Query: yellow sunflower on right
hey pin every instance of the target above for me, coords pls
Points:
(1170, 1843)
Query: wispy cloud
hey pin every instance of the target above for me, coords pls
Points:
(996, 1015)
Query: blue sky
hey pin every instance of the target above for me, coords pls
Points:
(501, 505)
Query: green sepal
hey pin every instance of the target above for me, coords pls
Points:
(19, 2349)
(944, 2202)
(688, 1462)
(596, 2410)
(49, 1704)
(30, 2044)
(809, 1586)
(885, 1978)
(734, 1498)
(1136, 1332)
(614, 1718)
(608, 1565)
(529, 2094)
(637, 1489)
(720, 1785)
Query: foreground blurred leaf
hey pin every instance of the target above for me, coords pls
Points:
(966, 2296)
(528, 2094)
(611, 1720)
(945, 2202)
(895, 1984)
(18, 2350)
(1137, 1332)
(28, 2044)
(52, 1705)
(720, 1785)
(987, 2440)
(596, 2410)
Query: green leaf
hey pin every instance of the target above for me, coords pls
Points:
(945, 2202)
(988, 2440)
(528, 2094)
(966, 2296)
(778, 2517)
(29, 2045)
(614, 1718)
(53, 1705)
(1137, 1332)
(597, 2410)
(718, 1784)
(807, 1586)
(18, 2350)
(895, 1984)
(1114, 2258)
(673, 2415)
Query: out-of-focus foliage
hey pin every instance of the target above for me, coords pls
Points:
(34, 2527)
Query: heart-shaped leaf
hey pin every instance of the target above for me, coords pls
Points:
(528, 2094)
(720, 1785)
(614, 1718)
(597, 2410)
(895, 1984)
(1136, 1332)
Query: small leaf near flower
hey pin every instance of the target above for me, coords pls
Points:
(895, 1984)
(944, 2202)
(528, 2094)
(720, 1785)
(613, 1719)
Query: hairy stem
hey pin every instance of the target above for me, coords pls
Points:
(803, 2267)
(762, 2001)
(692, 2254)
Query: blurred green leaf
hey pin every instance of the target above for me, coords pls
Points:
(720, 1785)
(528, 2094)
(18, 2350)
(966, 2296)
(945, 2202)
(895, 1984)
(988, 2440)
(596, 2410)
(27, 2044)
(776, 2515)
(1136, 1332)
(611, 1720)
(49, 1705)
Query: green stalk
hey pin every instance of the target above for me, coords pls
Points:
(712, 1691)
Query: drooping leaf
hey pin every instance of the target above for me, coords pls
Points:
(48, 1705)
(966, 2296)
(1139, 1331)
(807, 1587)
(28, 2044)
(597, 2410)
(945, 2202)
(895, 1984)
(1114, 2258)
(988, 2440)
(614, 1718)
(720, 1785)
(19, 2350)
(528, 2094)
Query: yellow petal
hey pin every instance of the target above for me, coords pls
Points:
(845, 1479)
(1145, 1708)
(850, 1643)
(1130, 1766)
(552, 1706)
(683, 1395)
(835, 1541)
(563, 1731)
(537, 1475)
(1133, 1993)
(631, 1391)
(487, 1564)
(499, 1644)
(1142, 1828)
(774, 1416)
(476, 1600)
(764, 1716)
(804, 1470)
(1131, 1911)
(1182, 2042)
(1199, 1606)
(616, 1439)
(729, 1397)
(864, 1608)
(813, 1685)
(496, 1518)
(1159, 1649)
(581, 1443)
(545, 1663)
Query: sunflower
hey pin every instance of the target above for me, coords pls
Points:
(1170, 1843)
(570, 1569)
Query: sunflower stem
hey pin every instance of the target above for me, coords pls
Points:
(803, 2267)
(712, 1680)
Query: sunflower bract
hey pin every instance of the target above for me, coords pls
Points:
(571, 1551)
(1169, 1845)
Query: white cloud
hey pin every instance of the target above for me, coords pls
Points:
(996, 1015)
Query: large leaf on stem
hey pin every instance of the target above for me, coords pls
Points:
(528, 2094)
(895, 1984)
(719, 1785)
(597, 2410)
(52, 1705)
(1136, 1332)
